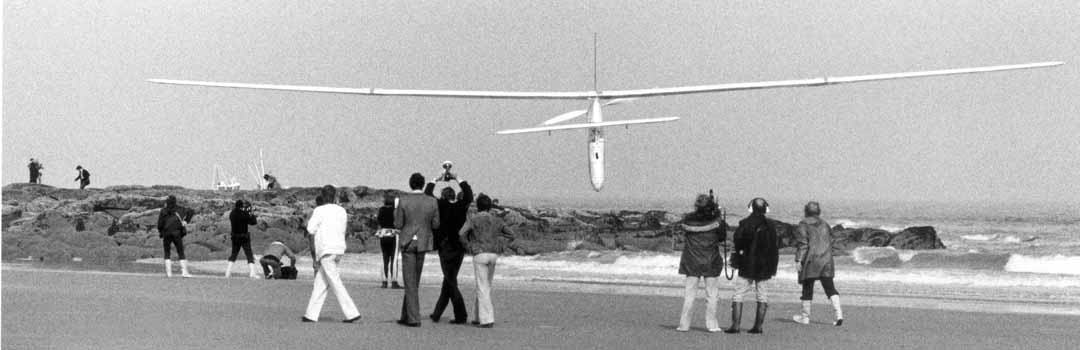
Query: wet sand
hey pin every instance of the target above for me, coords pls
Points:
(96, 310)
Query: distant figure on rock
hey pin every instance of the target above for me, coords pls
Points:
(171, 230)
(83, 178)
(35, 171)
(814, 260)
(327, 224)
(388, 235)
(241, 216)
(756, 256)
(453, 211)
(271, 182)
(485, 236)
(271, 259)
(705, 231)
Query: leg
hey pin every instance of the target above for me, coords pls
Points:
(246, 245)
(834, 298)
(760, 289)
(689, 294)
(386, 244)
(179, 243)
(318, 294)
(712, 297)
(165, 242)
(235, 250)
(456, 299)
(807, 296)
(412, 264)
(742, 286)
(444, 292)
(265, 263)
(485, 311)
(333, 278)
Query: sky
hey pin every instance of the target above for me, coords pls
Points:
(74, 93)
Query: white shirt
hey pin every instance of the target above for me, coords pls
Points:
(327, 224)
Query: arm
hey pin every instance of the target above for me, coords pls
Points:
(802, 244)
(161, 222)
(435, 218)
(399, 218)
(251, 220)
(314, 222)
(507, 233)
(466, 193)
(429, 189)
(723, 231)
(464, 232)
(289, 253)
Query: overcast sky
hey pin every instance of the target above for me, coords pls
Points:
(74, 93)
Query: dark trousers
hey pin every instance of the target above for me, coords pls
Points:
(808, 288)
(35, 177)
(412, 264)
(237, 244)
(271, 266)
(176, 241)
(386, 244)
(83, 184)
(450, 261)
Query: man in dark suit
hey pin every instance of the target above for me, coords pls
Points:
(453, 211)
(417, 216)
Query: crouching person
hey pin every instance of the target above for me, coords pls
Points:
(756, 256)
(271, 259)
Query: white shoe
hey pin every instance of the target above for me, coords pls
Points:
(804, 317)
(682, 329)
(251, 272)
(715, 330)
(228, 270)
(168, 268)
(800, 319)
(184, 270)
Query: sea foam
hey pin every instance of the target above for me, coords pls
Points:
(1055, 264)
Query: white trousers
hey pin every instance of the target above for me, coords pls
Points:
(484, 265)
(329, 276)
(712, 297)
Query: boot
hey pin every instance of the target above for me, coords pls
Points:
(736, 318)
(228, 270)
(835, 299)
(804, 317)
(251, 271)
(183, 269)
(761, 308)
(168, 268)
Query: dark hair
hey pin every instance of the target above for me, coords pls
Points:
(239, 203)
(483, 202)
(448, 194)
(416, 181)
(328, 194)
(319, 200)
(170, 201)
(812, 209)
(705, 208)
(387, 199)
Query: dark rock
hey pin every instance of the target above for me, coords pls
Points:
(919, 237)
(861, 237)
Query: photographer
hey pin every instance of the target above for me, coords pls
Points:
(452, 215)
(241, 216)
(705, 230)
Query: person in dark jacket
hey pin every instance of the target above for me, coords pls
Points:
(388, 240)
(171, 229)
(35, 171)
(83, 178)
(241, 216)
(705, 230)
(453, 211)
(485, 236)
(757, 254)
(814, 260)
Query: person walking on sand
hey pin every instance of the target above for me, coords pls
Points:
(705, 231)
(417, 216)
(240, 218)
(387, 235)
(756, 256)
(814, 261)
(171, 230)
(485, 236)
(271, 259)
(453, 211)
(327, 225)
(35, 171)
(83, 178)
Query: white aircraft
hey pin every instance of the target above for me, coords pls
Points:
(599, 99)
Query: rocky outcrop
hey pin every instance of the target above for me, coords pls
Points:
(119, 223)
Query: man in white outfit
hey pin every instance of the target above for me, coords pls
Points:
(327, 225)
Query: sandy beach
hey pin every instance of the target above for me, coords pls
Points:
(64, 309)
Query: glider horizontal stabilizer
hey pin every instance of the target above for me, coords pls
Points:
(587, 125)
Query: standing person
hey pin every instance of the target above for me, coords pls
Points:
(170, 225)
(756, 256)
(327, 225)
(388, 240)
(83, 178)
(271, 182)
(240, 217)
(453, 211)
(485, 236)
(35, 171)
(271, 259)
(814, 260)
(417, 216)
(705, 230)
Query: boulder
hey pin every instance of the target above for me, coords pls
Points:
(850, 239)
(918, 237)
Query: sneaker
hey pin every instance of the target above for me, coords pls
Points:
(486, 325)
(395, 285)
(682, 329)
(351, 320)
(800, 319)
(715, 330)
(305, 319)
(839, 322)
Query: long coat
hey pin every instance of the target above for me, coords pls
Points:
(701, 257)
(814, 249)
(757, 244)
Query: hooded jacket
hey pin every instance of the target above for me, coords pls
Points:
(701, 256)
(757, 244)
(814, 249)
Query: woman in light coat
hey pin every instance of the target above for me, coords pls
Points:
(814, 260)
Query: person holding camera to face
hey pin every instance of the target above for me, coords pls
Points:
(241, 216)
(705, 230)
(453, 211)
